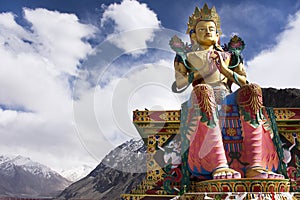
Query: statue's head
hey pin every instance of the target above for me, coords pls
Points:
(204, 25)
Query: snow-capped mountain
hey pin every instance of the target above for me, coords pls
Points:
(8, 162)
(127, 157)
(22, 177)
(121, 170)
(77, 173)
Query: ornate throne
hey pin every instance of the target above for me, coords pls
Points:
(167, 172)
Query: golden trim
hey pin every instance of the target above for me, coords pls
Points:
(284, 114)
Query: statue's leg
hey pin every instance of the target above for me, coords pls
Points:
(206, 151)
(250, 104)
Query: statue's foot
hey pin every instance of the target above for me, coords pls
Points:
(275, 175)
(259, 172)
(225, 173)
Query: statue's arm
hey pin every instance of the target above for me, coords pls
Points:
(242, 76)
(237, 75)
(182, 77)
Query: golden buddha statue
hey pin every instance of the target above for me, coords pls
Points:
(212, 70)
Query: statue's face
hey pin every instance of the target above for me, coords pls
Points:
(206, 33)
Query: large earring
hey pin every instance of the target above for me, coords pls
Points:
(195, 45)
(218, 39)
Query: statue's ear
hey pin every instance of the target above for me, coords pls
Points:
(218, 39)
(193, 38)
(194, 42)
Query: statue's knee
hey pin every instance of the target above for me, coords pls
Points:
(203, 95)
(253, 87)
(250, 94)
(202, 91)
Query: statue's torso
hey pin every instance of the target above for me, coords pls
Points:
(202, 61)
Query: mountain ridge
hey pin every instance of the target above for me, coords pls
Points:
(281, 98)
(22, 177)
(119, 171)
(76, 173)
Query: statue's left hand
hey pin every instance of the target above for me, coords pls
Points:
(220, 63)
(223, 65)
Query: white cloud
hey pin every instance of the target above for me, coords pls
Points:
(62, 36)
(131, 15)
(35, 69)
(35, 81)
(279, 67)
(7, 116)
(104, 114)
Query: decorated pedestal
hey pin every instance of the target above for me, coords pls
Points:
(168, 177)
(242, 185)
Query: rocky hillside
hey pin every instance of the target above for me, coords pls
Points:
(116, 174)
(22, 177)
(121, 170)
(281, 98)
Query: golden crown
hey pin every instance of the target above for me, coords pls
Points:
(204, 14)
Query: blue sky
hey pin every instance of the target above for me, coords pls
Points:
(72, 71)
(258, 22)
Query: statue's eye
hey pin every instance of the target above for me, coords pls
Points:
(210, 29)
